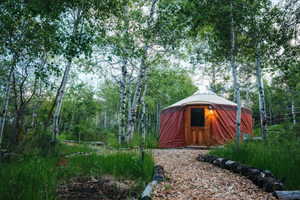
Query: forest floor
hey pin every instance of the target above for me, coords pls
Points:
(189, 179)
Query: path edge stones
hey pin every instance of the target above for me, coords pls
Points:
(262, 178)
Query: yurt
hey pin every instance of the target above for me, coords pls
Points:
(203, 119)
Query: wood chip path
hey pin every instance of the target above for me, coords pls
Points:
(189, 179)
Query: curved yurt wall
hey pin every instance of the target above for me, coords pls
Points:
(203, 119)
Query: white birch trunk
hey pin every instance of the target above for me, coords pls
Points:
(105, 120)
(5, 104)
(140, 82)
(235, 81)
(58, 102)
(61, 90)
(213, 82)
(262, 101)
(158, 118)
(123, 97)
(143, 118)
(293, 111)
(136, 100)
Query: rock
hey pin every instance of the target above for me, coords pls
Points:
(158, 173)
(271, 184)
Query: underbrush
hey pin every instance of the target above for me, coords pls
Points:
(149, 142)
(124, 165)
(280, 154)
(35, 176)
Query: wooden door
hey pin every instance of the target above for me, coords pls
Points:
(197, 125)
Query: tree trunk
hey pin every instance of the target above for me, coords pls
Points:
(123, 97)
(213, 81)
(5, 104)
(140, 81)
(270, 106)
(157, 118)
(287, 195)
(61, 90)
(293, 110)
(262, 101)
(58, 100)
(235, 81)
(105, 120)
(17, 133)
(143, 116)
(136, 98)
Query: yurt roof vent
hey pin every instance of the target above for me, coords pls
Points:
(206, 92)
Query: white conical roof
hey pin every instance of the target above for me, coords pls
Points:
(203, 97)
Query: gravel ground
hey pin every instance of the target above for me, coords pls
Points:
(189, 179)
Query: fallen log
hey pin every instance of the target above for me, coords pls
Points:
(158, 176)
(287, 195)
(146, 195)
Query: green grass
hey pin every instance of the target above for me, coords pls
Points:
(150, 141)
(36, 177)
(126, 165)
(69, 149)
(280, 154)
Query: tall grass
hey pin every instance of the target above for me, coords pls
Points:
(280, 154)
(29, 179)
(149, 142)
(36, 177)
(120, 164)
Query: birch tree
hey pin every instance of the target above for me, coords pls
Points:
(4, 108)
(262, 20)
(76, 20)
(262, 102)
(25, 40)
(142, 76)
(83, 17)
(236, 86)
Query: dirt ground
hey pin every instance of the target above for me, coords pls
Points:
(189, 179)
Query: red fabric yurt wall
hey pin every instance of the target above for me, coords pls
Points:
(172, 128)
(222, 127)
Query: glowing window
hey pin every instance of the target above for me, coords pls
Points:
(197, 117)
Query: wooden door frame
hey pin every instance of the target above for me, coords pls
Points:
(188, 127)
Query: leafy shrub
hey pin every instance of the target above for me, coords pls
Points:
(37, 144)
(112, 140)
